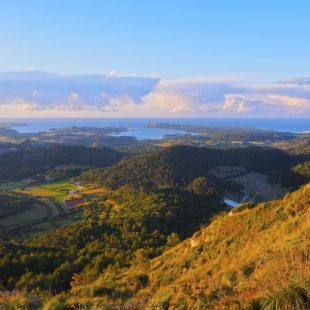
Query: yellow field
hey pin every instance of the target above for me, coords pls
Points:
(55, 190)
(38, 192)
(96, 191)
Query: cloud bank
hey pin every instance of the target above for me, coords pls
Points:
(45, 94)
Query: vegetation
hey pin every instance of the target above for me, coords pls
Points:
(63, 173)
(11, 203)
(295, 176)
(254, 258)
(257, 258)
(229, 133)
(179, 165)
(300, 146)
(25, 163)
(56, 190)
(113, 232)
(155, 233)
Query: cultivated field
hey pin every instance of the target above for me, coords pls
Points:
(12, 185)
(53, 203)
(36, 213)
(55, 190)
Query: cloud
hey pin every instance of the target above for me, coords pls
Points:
(41, 90)
(231, 97)
(117, 95)
(190, 95)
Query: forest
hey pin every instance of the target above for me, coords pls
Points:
(154, 231)
(169, 168)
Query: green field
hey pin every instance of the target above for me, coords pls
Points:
(11, 185)
(55, 190)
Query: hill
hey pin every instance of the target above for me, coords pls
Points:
(300, 146)
(114, 229)
(221, 133)
(293, 176)
(178, 165)
(129, 249)
(24, 163)
(255, 257)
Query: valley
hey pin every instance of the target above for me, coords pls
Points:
(154, 155)
(114, 227)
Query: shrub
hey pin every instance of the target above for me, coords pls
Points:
(248, 269)
(254, 305)
(18, 301)
(292, 297)
(57, 303)
(164, 302)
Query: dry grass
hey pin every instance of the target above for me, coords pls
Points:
(236, 261)
(96, 191)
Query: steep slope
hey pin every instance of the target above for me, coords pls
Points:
(256, 257)
(178, 165)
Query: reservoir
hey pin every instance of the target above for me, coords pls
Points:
(231, 203)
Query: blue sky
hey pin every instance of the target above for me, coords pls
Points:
(232, 46)
(267, 40)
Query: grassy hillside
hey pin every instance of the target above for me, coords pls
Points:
(177, 166)
(256, 257)
(300, 146)
(130, 249)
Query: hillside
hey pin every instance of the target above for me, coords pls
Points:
(20, 164)
(300, 146)
(177, 166)
(128, 249)
(256, 257)
(115, 228)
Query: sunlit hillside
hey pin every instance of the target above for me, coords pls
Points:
(254, 257)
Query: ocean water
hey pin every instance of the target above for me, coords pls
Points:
(138, 127)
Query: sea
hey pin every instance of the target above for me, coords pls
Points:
(137, 127)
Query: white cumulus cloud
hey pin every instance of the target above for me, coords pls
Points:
(113, 94)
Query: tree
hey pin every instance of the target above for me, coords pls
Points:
(201, 186)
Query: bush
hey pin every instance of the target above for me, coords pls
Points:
(254, 305)
(248, 269)
(164, 302)
(57, 303)
(292, 297)
(24, 303)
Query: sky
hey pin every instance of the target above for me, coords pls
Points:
(136, 58)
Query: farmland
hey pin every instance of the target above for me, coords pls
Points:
(54, 203)
(32, 215)
(11, 185)
(56, 190)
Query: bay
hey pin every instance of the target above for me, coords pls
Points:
(137, 127)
